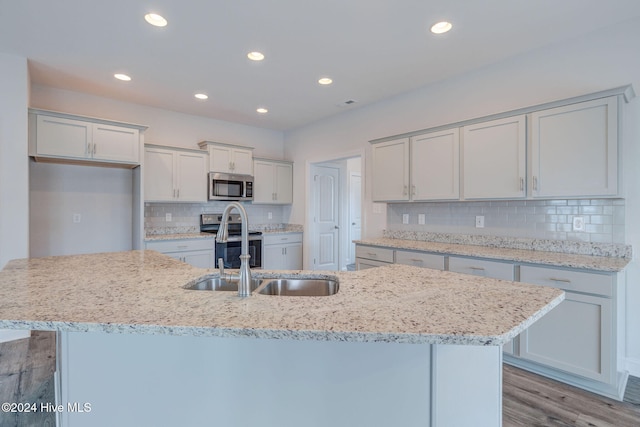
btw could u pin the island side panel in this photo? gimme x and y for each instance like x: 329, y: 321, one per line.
x: 133, y: 380
x: 467, y: 385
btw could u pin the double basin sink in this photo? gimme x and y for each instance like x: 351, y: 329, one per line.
x: 275, y: 286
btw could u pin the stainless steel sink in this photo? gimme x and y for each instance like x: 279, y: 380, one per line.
x: 299, y: 287
x: 220, y: 284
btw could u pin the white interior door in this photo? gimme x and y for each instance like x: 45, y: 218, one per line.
x: 355, y: 215
x: 325, y: 242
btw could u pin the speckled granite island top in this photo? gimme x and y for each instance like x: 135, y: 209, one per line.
x: 589, y: 262
x: 142, y: 292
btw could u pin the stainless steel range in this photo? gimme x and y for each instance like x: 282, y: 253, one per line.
x: 230, y: 251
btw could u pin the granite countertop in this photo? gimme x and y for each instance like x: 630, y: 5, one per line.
x: 590, y: 262
x: 265, y: 229
x: 142, y: 292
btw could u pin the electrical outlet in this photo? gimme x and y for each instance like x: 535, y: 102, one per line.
x: 77, y: 218
x: 578, y: 223
x: 422, y: 219
x: 167, y: 217
x: 270, y: 215
x: 480, y: 221
x: 405, y: 218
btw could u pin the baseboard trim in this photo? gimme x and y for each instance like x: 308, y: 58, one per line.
x: 13, y: 334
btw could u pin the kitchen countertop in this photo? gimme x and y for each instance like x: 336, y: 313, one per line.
x: 142, y: 292
x: 590, y: 262
x: 265, y: 229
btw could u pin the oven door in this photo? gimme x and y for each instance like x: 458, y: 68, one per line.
x: 231, y: 250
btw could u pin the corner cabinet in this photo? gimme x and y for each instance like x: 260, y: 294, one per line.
x: 174, y: 174
x: 226, y: 158
x: 574, y: 150
x: 494, y: 159
x: 74, y: 139
x: 282, y: 251
x: 272, y: 182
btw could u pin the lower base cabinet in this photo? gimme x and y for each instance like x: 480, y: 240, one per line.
x: 372, y: 257
x: 282, y: 251
x: 196, y: 252
x: 578, y: 336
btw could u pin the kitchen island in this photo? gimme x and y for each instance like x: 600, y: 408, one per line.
x: 397, y: 345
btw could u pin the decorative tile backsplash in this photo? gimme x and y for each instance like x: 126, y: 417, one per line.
x: 604, y: 219
x: 185, y: 217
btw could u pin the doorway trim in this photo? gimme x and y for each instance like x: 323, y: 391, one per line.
x: 309, y: 224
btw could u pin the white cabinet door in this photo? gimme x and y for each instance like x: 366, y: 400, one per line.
x: 284, y: 183
x: 575, y: 150
x: 242, y: 161
x: 159, y: 175
x: 61, y: 137
x: 578, y: 335
x: 282, y: 251
x: 197, y: 252
x: 273, y: 182
x: 263, y: 181
x: 391, y: 170
x: 494, y: 159
x: 116, y: 144
x: 227, y: 159
x: 174, y: 175
x: 435, y: 166
x: 191, y: 176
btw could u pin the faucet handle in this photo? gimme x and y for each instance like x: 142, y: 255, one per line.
x: 221, y: 266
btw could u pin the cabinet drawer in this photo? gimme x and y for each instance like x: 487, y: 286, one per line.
x: 281, y: 238
x: 420, y: 259
x: 374, y: 253
x: 484, y: 268
x: 165, y: 246
x: 578, y: 281
x: 363, y: 264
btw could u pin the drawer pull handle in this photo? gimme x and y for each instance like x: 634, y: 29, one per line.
x: 183, y: 246
x: 555, y: 279
x: 372, y: 254
x: 416, y: 260
x: 477, y: 268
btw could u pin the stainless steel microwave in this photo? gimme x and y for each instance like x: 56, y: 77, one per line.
x: 223, y: 186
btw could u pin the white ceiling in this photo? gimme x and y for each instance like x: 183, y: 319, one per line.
x: 373, y: 49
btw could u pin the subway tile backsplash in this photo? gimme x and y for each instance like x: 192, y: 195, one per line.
x: 604, y: 219
x: 185, y: 217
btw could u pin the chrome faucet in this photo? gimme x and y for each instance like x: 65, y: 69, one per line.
x: 244, y: 279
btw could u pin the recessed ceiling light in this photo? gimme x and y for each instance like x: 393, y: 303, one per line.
x: 122, y: 77
x: 255, y: 56
x: 201, y: 96
x: 155, y: 20
x: 262, y: 110
x: 441, y: 27
x: 325, y: 81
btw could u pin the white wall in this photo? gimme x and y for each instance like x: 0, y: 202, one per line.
x: 165, y: 127
x: 599, y: 61
x: 14, y: 170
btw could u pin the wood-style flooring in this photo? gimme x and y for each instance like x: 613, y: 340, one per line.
x: 529, y: 400
x: 26, y: 376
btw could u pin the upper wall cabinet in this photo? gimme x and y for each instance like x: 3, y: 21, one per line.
x: 435, y: 166
x: 62, y: 137
x: 391, y: 171
x: 272, y: 182
x: 494, y: 159
x: 574, y: 150
x: 227, y: 158
x: 174, y: 175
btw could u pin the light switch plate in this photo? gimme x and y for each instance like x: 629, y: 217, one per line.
x: 77, y: 218
x: 405, y: 218
x: 578, y: 223
x: 422, y: 219
x: 480, y: 221
x: 167, y: 217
